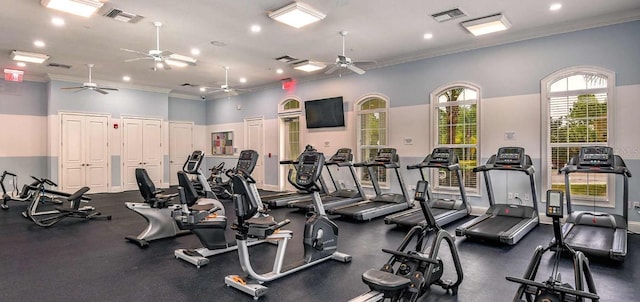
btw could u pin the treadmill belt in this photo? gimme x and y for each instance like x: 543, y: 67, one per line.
x: 496, y: 224
x: 264, y: 193
x: 417, y: 217
x: 591, y: 237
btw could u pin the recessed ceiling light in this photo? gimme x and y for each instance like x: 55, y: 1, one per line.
x: 195, y: 51
x: 126, y: 78
x: 279, y: 71
x: 555, y: 6
x: 427, y: 36
x: 38, y: 43
x: 203, y: 89
x: 21, y: 64
x: 243, y: 80
x: 57, y: 21
x: 256, y: 28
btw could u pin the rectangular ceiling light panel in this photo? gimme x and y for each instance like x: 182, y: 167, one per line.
x: 24, y: 56
x: 297, y: 14
x: 84, y: 8
x: 308, y: 66
x: 487, y: 25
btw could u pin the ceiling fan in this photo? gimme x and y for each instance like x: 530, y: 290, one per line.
x: 342, y: 61
x: 91, y: 86
x: 225, y: 87
x: 162, y: 58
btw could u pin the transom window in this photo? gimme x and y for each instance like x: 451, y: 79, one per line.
x: 456, y: 127
x: 577, y: 113
x: 372, y: 113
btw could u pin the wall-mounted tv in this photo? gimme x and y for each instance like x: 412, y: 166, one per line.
x: 324, y: 113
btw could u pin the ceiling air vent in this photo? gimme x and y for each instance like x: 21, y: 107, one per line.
x: 286, y: 59
x: 58, y: 65
x: 121, y: 16
x: 448, y: 15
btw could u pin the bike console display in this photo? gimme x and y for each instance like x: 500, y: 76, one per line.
x: 596, y: 156
x: 309, y: 169
x: 510, y: 156
x: 554, y: 203
x: 247, y: 161
x: 421, y: 190
x: 193, y: 162
x: 444, y: 156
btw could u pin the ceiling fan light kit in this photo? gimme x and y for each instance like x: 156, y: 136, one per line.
x: 30, y: 57
x: 84, y: 8
x: 297, y: 14
x: 487, y: 25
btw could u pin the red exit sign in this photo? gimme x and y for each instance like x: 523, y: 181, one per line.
x: 13, y: 75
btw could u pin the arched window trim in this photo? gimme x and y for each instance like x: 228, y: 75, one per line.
x: 285, y: 101
x: 545, y: 85
x: 434, y: 128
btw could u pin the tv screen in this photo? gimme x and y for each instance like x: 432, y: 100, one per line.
x: 324, y: 113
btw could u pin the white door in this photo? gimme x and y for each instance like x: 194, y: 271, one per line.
x: 152, y: 150
x: 180, y: 146
x: 96, y: 153
x: 131, y: 152
x: 255, y: 139
x: 72, y: 153
x: 85, y: 153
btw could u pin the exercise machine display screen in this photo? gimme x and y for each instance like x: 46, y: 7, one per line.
x: 596, y: 156
x: 386, y: 155
x: 309, y: 169
x: 441, y: 156
x: 193, y: 162
x: 554, y: 203
x: 342, y: 155
x: 421, y: 190
x: 247, y: 160
x: 510, y: 156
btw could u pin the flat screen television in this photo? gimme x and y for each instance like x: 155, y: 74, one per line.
x: 324, y: 113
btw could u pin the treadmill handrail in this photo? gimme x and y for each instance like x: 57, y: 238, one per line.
x: 451, y: 167
x: 529, y: 170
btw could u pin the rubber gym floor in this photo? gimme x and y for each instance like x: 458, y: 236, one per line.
x: 91, y: 261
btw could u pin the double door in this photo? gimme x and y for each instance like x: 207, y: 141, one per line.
x: 142, y: 148
x: 84, y: 152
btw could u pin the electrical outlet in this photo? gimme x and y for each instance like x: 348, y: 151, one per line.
x: 527, y: 196
x: 510, y: 195
x: 636, y: 204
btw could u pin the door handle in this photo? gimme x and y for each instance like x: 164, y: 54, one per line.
x: 140, y: 163
x: 82, y: 165
x: 88, y: 165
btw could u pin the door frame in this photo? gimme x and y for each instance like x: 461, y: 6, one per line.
x: 261, y: 151
x: 284, y: 170
x: 60, y: 151
x: 169, y: 141
x: 122, y: 161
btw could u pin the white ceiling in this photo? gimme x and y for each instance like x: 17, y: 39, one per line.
x: 388, y: 32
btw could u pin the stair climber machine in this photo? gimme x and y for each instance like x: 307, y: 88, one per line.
x: 320, y: 233
x: 504, y: 222
x: 283, y: 200
x: 341, y: 196
x: 246, y: 162
x: 41, y: 213
x: 409, y: 274
x: 211, y: 231
x: 383, y: 203
x: 159, y: 211
x: 445, y: 211
x: 553, y: 290
x: 192, y: 167
x: 596, y: 233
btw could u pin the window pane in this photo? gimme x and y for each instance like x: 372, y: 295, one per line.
x: 467, y: 157
x: 374, y: 103
x: 291, y: 104
x: 583, y: 185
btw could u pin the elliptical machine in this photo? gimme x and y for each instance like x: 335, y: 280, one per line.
x: 320, y: 233
x: 553, y: 290
x: 246, y: 163
x: 408, y: 275
x: 192, y: 167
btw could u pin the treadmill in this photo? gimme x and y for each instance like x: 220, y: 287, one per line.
x: 283, y: 200
x: 381, y: 204
x: 339, y: 197
x: 596, y: 233
x: 505, y: 223
x: 444, y: 211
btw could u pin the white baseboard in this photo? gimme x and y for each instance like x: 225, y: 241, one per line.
x: 634, y: 226
x: 164, y: 185
x: 270, y: 187
x: 116, y: 189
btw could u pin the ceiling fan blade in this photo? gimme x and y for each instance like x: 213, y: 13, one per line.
x: 135, y: 51
x: 355, y: 69
x: 360, y: 63
x: 332, y: 69
x: 136, y: 59
x: 166, y: 53
x: 79, y: 87
x: 233, y: 93
x: 108, y: 88
x: 100, y: 91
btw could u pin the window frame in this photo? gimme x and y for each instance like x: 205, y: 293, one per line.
x: 359, y: 154
x: 435, y: 135
x: 284, y: 114
x: 545, y: 162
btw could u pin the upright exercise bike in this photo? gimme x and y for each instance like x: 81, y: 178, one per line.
x: 409, y: 274
x: 320, y: 233
x: 553, y: 290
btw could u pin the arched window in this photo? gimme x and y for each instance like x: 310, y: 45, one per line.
x: 289, y: 113
x: 577, y: 109
x: 289, y: 105
x: 372, y: 131
x: 456, y: 125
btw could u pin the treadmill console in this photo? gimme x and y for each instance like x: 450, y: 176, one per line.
x: 510, y: 156
x: 309, y: 168
x: 247, y: 161
x: 193, y: 162
x: 421, y: 190
x: 554, y: 203
x: 386, y: 155
x: 596, y: 156
x: 342, y: 155
x: 442, y: 156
